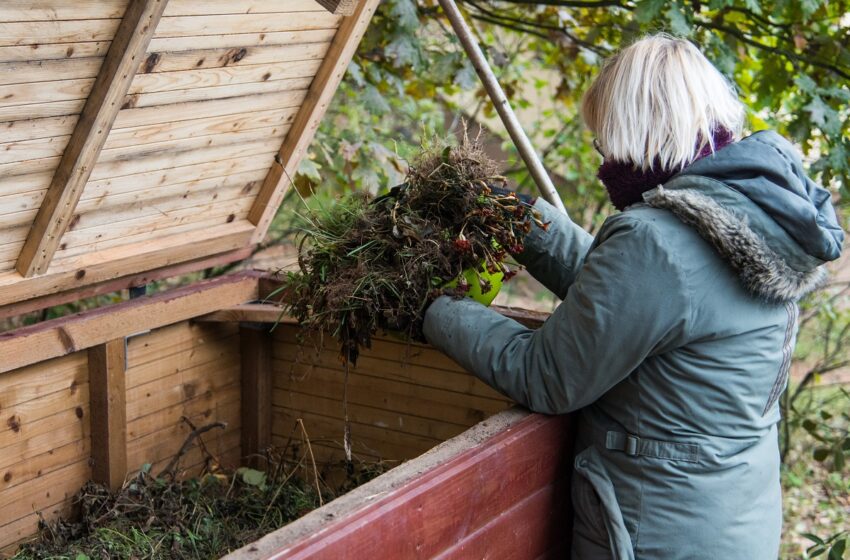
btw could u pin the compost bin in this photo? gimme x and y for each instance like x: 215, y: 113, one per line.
x: 145, y: 139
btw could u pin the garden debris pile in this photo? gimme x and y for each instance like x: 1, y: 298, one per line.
x: 368, y: 265
x: 158, y: 517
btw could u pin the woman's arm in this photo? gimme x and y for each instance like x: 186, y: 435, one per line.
x: 628, y: 302
x: 555, y: 256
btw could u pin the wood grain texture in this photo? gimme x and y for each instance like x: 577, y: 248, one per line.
x: 247, y: 312
x: 133, y: 280
x: 310, y: 114
x: 102, y: 106
x: 82, y: 331
x: 127, y: 260
x: 256, y: 390
x: 506, y: 496
x: 108, y: 394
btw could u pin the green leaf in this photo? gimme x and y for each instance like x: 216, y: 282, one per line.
x: 83, y: 556
x: 837, y: 550
x: 252, y: 477
x: 809, y: 425
x: 404, y: 14
x: 679, y: 23
x: 814, y: 538
x: 820, y: 454
x: 310, y: 169
x: 647, y: 10
x: 373, y: 101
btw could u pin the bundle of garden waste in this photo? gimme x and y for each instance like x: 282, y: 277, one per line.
x: 161, y: 517
x: 369, y: 264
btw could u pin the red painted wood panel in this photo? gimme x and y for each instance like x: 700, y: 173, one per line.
x: 506, y: 498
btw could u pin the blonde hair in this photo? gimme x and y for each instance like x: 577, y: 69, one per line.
x: 658, y: 101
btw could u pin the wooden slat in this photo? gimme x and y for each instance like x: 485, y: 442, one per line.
x: 340, y: 7
x: 126, y: 281
x: 234, y: 93
x: 160, y: 132
x: 101, y: 108
x: 49, y: 495
x: 206, y: 109
x: 53, y: 10
x: 182, y: 26
x: 304, y: 127
x: 256, y: 389
x: 30, y: 467
x: 247, y: 312
x: 231, y: 56
x: 454, y: 495
x: 157, y: 417
x: 107, y: 386
x: 55, y: 51
x: 31, y: 129
x: 47, y: 32
x: 47, y: 434
x: 240, y: 40
x: 32, y: 383
x: 47, y: 71
x: 63, y: 336
x: 229, y: 75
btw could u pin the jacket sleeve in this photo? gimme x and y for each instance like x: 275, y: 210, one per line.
x: 555, y: 256
x: 628, y: 302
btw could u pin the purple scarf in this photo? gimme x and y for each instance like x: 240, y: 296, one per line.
x: 626, y: 185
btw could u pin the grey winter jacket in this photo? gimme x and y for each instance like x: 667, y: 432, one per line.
x: 674, y: 337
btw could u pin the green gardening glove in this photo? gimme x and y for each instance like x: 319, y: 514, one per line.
x: 472, y: 278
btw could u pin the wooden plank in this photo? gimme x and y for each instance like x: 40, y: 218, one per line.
x: 247, y: 312
x: 366, y: 438
x: 182, y: 26
x: 163, y: 444
x: 47, y: 71
x: 173, y: 175
x: 182, y: 386
x: 56, y: 51
x: 202, y: 406
x: 41, y: 110
x: 339, y: 7
x: 228, y: 75
x: 46, y: 435
x: 209, y: 218
x: 449, y: 496
x: 68, y: 334
x: 29, y: 149
x: 256, y: 392
x: 159, y: 132
x: 62, y: 376
x: 41, y: 92
x: 188, y: 344
x: 23, y: 500
x: 16, y: 131
x: 51, y: 10
x: 22, y: 415
x: 29, y: 467
x: 102, y: 106
x: 132, y: 280
x: 210, y: 7
x: 211, y: 108
x: 46, y: 32
x: 241, y: 40
x: 304, y: 127
x: 388, y: 394
x: 108, y: 393
x: 231, y: 56
x: 293, y: 86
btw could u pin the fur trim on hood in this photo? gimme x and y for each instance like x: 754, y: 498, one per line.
x: 762, y: 271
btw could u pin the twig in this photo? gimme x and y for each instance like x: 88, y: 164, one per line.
x: 195, y: 434
x: 313, y: 460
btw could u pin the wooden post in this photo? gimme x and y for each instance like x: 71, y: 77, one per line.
x: 256, y: 349
x: 107, y: 95
x: 107, y: 392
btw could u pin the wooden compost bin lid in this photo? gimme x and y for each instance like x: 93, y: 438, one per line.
x: 154, y: 135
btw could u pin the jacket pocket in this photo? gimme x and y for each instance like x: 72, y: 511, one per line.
x: 594, y: 493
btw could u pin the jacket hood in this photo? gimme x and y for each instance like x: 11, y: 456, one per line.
x: 754, y: 203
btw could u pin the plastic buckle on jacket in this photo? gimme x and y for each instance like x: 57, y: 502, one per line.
x: 632, y: 443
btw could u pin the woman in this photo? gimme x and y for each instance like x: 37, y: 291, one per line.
x: 678, y: 320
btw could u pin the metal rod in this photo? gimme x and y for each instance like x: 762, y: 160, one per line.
x: 500, y: 101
